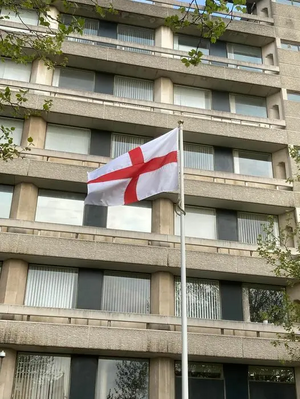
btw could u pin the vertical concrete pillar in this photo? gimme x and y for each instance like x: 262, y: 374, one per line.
x: 297, y: 380
x: 287, y: 223
x: 281, y: 164
x: 162, y: 294
x: 162, y: 379
x: 41, y: 74
x: 53, y: 17
x: 163, y: 216
x: 13, y: 281
x: 24, y: 201
x: 7, y: 373
x: 163, y: 91
x: 164, y: 37
x: 35, y: 127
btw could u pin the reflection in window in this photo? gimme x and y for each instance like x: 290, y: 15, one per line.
x: 293, y: 96
x: 42, y: 376
x: 251, y: 225
x: 203, y: 299
x: 12, y: 71
x: 68, y: 139
x: 248, y: 105
x: 201, y: 370
x: 16, y: 134
x: 252, y: 163
x: 266, y: 304
x: 271, y: 374
x: 121, y: 378
x: 53, y: 287
x: 135, y: 217
x: 60, y: 207
x: 122, y: 143
x: 188, y: 43
x: 192, y: 97
x: 6, y: 193
x: 199, y: 222
x: 126, y: 292
x: 197, y: 156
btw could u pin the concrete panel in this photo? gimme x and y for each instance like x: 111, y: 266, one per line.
x: 24, y: 200
x: 13, y: 281
x: 7, y: 373
x: 162, y: 216
x: 162, y: 378
x: 34, y: 127
x: 162, y: 294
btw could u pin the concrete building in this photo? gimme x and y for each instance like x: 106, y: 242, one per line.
x: 90, y: 298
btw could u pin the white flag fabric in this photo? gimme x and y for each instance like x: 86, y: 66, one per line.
x: 140, y: 173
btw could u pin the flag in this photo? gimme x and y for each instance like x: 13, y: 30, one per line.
x: 142, y: 172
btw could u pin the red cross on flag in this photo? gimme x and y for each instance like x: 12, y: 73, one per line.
x: 140, y: 173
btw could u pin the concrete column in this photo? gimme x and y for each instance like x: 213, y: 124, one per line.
x: 281, y: 164
x: 164, y: 37
x: 162, y: 294
x: 24, y: 201
x: 163, y: 91
x: 53, y: 14
x: 162, y: 379
x: 275, y: 106
x: 287, y: 223
x: 13, y: 281
x: 297, y: 380
x: 7, y: 373
x: 34, y: 127
x: 163, y: 216
x: 40, y: 73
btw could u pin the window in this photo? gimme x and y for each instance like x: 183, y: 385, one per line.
x: 135, y: 34
x: 16, y: 134
x: 126, y: 292
x: 203, y: 299
x: 293, y: 96
x: 192, y: 97
x: 137, y: 89
x: 42, y: 376
x: 6, y: 193
x: 59, y: 207
x: 53, y: 287
x: 199, y: 222
x: 122, y: 143
x: 201, y: 370
x: 248, y: 105
x: 197, y: 156
x: 188, y: 43
x: 266, y: 303
x: 251, y: 225
x: 12, y: 71
x: 122, y: 378
x: 68, y: 139
x: 290, y: 46
x: 135, y: 217
x: 240, y: 52
x: 271, y: 374
x: 252, y: 163
x: 74, y: 79
x: 289, y: 2
x: 26, y: 17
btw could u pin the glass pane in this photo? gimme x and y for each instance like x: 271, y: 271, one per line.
x: 251, y: 225
x: 137, y: 89
x: 119, y: 378
x: 266, y: 304
x: 60, y: 207
x: 289, y: 46
x: 198, y: 156
x: 53, y: 287
x: 271, y: 374
x: 12, y: 71
x: 6, y: 193
x: 241, y: 52
x: 188, y: 43
x: 135, y: 34
x: 122, y: 143
x: 203, y: 299
x: 68, y: 138
x: 42, y: 377
x: 254, y: 164
x: 201, y: 370
x: 191, y: 97
x: 126, y: 293
x: 250, y: 105
x: 293, y: 96
x: 28, y: 17
x: 77, y: 79
x: 199, y: 223
x: 17, y: 133
x: 136, y: 217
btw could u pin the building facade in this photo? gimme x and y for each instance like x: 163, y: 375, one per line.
x: 90, y: 297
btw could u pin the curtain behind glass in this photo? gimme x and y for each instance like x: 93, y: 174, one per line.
x: 122, y: 143
x: 203, y: 298
x: 53, y: 287
x: 199, y: 222
x: 198, y: 156
x: 13, y: 71
x: 126, y: 293
x: 68, y: 138
x: 137, y: 89
x: 6, y: 193
x: 135, y: 34
x: 191, y: 97
x: 251, y: 225
x: 42, y: 377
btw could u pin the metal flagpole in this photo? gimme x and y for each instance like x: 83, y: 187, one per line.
x: 184, y: 338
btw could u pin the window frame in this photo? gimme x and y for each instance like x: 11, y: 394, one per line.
x: 56, y: 79
x: 236, y: 163
x: 232, y: 103
x: 213, y: 213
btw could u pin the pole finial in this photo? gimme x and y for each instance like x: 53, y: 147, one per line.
x: 180, y: 122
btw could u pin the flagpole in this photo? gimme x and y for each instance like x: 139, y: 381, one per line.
x: 184, y: 338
